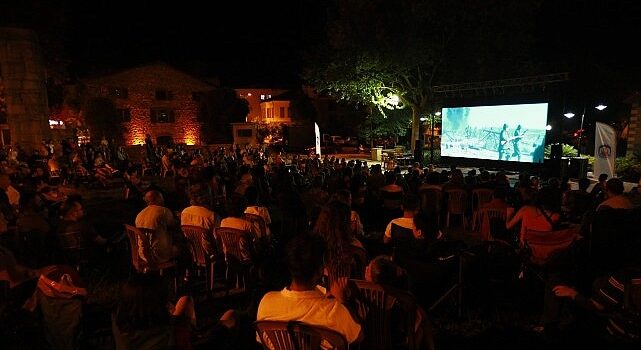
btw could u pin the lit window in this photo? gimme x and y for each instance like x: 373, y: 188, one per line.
x: 269, y: 96
x: 262, y: 97
x: 249, y: 94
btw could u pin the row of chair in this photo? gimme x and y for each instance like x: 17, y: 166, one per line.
x: 204, y: 246
x: 456, y: 200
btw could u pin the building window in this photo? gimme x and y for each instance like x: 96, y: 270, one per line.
x: 262, y: 97
x: 163, y: 95
x: 161, y: 115
x: 124, y: 115
x: 282, y: 112
x: 118, y: 92
x: 195, y: 96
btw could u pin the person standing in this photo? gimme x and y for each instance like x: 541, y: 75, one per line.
x: 516, y: 140
x: 504, y: 138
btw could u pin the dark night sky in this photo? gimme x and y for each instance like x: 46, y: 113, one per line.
x: 258, y: 43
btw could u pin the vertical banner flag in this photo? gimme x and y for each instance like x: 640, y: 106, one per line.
x: 318, y: 139
x: 605, y: 150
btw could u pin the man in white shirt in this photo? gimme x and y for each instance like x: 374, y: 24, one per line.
x: 199, y: 214
x: 303, y: 300
x: 160, y: 219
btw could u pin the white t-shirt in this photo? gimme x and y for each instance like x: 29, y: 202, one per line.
x: 263, y: 213
x: 155, y: 217
x: 403, y: 222
x: 311, y: 307
x: 198, y: 216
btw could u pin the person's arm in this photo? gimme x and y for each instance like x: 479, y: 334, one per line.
x: 387, y: 237
x: 569, y: 292
x: 512, y: 222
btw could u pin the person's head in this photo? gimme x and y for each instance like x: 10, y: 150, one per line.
x: 457, y: 176
x: 200, y: 194
x: 382, y: 270
x: 305, y: 258
x: 528, y: 196
x: 603, y: 178
x: 333, y: 224
x: 411, y: 203
x: 142, y: 303
x: 154, y: 197
x: 584, y: 183
x: 614, y: 187
x: 71, y: 210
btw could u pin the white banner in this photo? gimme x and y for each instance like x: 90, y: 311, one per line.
x: 318, y: 139
x: 605, y: 150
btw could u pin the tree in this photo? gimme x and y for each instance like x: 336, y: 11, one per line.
x: 390, y: 54
x: 377, y: 126
x: 219, y: 108
x: 101, y: 117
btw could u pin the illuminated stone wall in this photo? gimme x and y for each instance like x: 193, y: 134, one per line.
x: 140, y: 99
x: 634, y: 126
x: 22, y: 75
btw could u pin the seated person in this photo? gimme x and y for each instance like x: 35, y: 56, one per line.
x: 614, y: 197
x: 410, y: 207
x: 155, y: 216
x: 535, y: 214
x: 303, y: 300
x: 382, y: 270
x: 235, y: 209
x: 251, y: 196
x: 144, y: 318
x: 578, y: 202
x: 75, y: 235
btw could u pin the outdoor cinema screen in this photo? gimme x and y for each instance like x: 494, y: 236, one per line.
x: 504, y: 132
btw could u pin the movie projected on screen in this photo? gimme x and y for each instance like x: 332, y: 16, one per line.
x: 513, y: 133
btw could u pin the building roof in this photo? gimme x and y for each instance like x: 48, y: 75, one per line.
x: 152, y: 65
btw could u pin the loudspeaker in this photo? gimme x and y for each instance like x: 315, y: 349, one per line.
x: 418, y: 151
x: 556, y: 151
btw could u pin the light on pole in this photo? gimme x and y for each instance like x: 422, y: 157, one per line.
x: 600, y: 107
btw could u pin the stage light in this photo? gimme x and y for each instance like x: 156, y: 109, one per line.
x: 548, y: 127
x: 569, y: 115
x: 601, y: 107
x: 438, y: 114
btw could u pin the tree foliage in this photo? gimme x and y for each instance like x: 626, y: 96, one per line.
x: 390, y: 54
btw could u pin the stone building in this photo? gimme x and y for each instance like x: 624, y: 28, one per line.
x: 23, y: 95
x: 634, y: 126
x: 154, y: 99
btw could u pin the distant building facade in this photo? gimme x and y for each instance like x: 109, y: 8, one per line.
x: 258, y: 112
x: 154, y: 99
x: 23, y: 94
x: 634, y: 125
